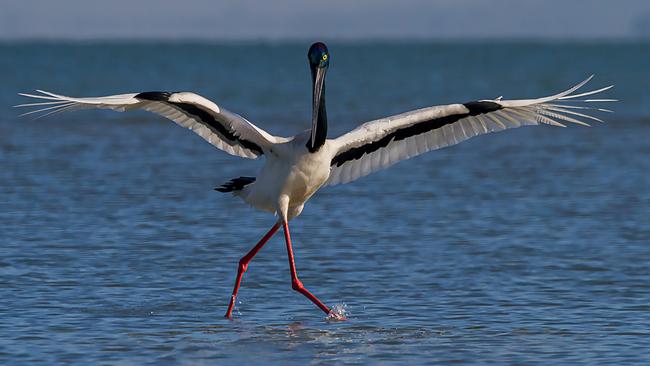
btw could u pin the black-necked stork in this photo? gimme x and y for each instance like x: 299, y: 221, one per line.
x: 297, y: 166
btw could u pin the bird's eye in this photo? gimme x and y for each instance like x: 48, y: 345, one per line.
x: 325, y: 57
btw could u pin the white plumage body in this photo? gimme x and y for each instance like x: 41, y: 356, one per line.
x: 289, y: 177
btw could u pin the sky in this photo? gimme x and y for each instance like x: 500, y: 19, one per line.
x: 324, y: 19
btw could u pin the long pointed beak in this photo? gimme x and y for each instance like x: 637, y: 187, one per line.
x: 318, y: 91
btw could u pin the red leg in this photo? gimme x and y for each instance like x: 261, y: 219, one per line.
x: 243, y: 265
x: 295, y: 282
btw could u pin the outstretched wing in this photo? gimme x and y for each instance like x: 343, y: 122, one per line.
x: 381, y: 143
x: 218, y: 126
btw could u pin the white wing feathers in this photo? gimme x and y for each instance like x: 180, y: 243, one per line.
x: 221, y: 128
x: 381, y: 143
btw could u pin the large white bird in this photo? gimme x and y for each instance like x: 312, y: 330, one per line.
x: 296, y: 167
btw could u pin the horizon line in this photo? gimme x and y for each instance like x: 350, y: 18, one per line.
x: 341, y: 40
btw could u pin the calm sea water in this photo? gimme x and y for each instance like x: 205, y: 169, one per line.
x: 526, y: 247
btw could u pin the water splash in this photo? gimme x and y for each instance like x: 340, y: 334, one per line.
x: 236, y: 309
x: 338, y: 312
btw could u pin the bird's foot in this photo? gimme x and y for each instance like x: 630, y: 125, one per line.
x: 338, y: 312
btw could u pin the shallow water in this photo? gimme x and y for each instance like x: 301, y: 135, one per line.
x: 524, y: 247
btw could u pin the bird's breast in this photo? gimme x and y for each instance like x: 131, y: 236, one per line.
x: 307, y: 174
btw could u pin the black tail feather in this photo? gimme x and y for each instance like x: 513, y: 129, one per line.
x: 236, y: 184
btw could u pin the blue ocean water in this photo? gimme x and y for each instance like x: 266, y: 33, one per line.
x: 530, y: 246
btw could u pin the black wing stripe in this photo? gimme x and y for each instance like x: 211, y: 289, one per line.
x: 355, y: 153
x: 203, y: 116
x: 156, y: 96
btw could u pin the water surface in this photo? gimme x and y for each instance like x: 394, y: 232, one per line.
x: 524, y: 247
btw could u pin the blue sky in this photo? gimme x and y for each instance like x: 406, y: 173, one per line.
x: 326, y: 19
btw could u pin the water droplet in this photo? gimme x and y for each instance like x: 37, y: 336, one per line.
x: 338, y: 312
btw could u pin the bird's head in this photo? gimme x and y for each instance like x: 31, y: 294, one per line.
x: 318, y: 56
